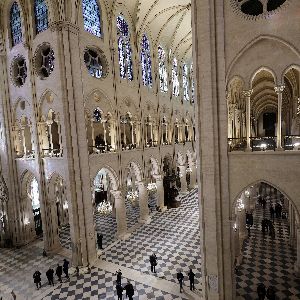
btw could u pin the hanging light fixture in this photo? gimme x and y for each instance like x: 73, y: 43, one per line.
x: 104, y: 208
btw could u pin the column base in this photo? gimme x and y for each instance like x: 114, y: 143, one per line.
x: 279, y: 149
x: 145, y: 220
x: 123, y: 236
x: 163, y: 208
x: 248, y: 149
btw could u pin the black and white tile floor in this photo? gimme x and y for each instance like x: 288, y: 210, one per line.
x: 268, y: 261
x: 174, y: 236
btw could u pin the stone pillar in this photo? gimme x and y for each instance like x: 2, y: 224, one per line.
x: 183, y: 179
x: 143, y: 202
x: 193, y: 176
x: 247, y: 94
x: 279, y: 89
x: 120, y: 214
x: 160, y: 192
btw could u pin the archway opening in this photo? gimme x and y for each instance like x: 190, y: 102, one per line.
x: 34, y: 196
x: 104, y: 209
x: 264, y: 233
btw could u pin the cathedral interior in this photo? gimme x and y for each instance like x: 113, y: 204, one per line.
x: 132, y: 127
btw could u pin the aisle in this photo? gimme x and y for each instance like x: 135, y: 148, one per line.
x: 268, y: 261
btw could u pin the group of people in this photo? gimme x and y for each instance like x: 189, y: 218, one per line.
x: 262, y: 292
x: 128, y: 287
x: 276, y: 211
x: 268, y: 226
x: 50, y: 274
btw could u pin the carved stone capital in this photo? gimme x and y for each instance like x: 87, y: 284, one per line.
x: 279, y: 89
x: 247, y: 93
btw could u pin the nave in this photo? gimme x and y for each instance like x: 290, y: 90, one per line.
x: 172, y: 235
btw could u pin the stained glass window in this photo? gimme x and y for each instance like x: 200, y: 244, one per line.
x: 162, y: 70
x: 192, y: 84
x: 125, y: 53
x: 41, y: 15
x: 185, y: 83
x: 146, y: 61
x: 15, y: 24
x: 91, y: 17
x: 175, y: 80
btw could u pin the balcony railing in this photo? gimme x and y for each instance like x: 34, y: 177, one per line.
x: 291, y: 142
x: 237, y: 144
x: 263, y: 143
x: 52, y: 152
x: 101, y: 149
x: 150, y: 144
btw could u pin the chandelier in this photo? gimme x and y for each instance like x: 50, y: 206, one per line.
x: 151, y: 187
x: 104, y: 208
x: 240, y: 205
x: 132, y: 197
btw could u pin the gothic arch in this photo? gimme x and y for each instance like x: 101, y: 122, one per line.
x: 112, y: 176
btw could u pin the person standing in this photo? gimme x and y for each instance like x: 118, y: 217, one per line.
x: 59, y: 272
x: 129, y: 290
x: 13, y: 294
x: 119, y: 277
x: 37, y: 279
x: 261, y: 291
x: 119, y: 289
x: 272, y: 212
x: 49, y: 275
x: 99, y: 240
x: 66, y: 268
x: 153, y: 262
x: 180, y: 280
x: 191, y: 275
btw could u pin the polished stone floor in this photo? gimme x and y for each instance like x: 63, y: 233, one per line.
x: 268, y: 261
x: 173, y: 236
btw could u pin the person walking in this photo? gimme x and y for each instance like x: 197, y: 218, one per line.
x: 66, y: 268
x: 191, y: 275
x: 58, y: 272
x: 129, y: 290
x: 180, y: 280
x: 37, y: 279
x: 119, y: 276
x: 50, y: 275
x: 153, y: 262
x: 119, y: 289
x: 261, y: 291
x: 99, y: 240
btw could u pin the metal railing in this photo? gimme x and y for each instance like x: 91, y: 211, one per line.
x: 263, y: 143
x: 52, y: 152
x: 101, y: 149
x: 237, y: 144
x: 291, y: 142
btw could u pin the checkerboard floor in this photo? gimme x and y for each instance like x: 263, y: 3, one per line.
x: 268, y: 261
x: 100, y: 284
x: 172, y: 235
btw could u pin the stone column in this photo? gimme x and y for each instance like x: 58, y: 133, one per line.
x: 193, y: 176
x: 120, y: 214
x: 160, y: 192
x: 279, y: 89
x: 247, y: 94
x: 183, y: 178
x: 241, y: 221
x: 143, y: 202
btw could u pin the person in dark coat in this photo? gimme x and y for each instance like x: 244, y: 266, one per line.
x: 119, y: 289
x: 66, y: 268
x: 50, y: 275
x: 129, y: 290
x: 37, y: 279
x: 272, y: 212
x: 180, y: 280
x: 119, y: 277
x: 99, y: 240
x: 271, y: 293
x: 261, y: 291
x: 191, y: 275
x: 58, y: 272
x: 153, y: 262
